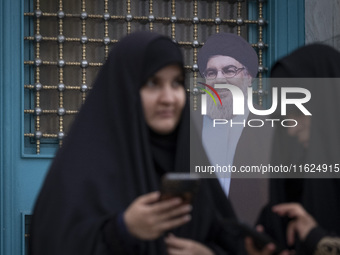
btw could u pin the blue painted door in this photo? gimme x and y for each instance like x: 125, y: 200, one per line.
x: 21, y: 176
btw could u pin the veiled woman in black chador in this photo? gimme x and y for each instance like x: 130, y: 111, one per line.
x: 100, y: 195
x: 316, y: 140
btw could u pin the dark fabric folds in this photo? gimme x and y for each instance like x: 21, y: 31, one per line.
x: 108, y: 160
x: 320, y: 197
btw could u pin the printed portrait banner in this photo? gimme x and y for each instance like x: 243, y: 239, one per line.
x: 295, y: 134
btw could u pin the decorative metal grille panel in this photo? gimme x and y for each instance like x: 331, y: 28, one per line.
x: 67, y: 41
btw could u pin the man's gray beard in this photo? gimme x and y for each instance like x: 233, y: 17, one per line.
x: 224, y: 111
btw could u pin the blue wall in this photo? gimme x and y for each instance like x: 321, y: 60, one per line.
x: 286, y: 30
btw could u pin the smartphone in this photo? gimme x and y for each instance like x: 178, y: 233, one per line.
x: 260, y: 239
x: 183, y: 185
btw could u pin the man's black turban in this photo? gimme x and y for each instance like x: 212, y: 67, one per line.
x: 232, y: 45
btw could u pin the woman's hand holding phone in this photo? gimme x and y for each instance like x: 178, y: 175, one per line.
x: 177, y: 245
x: 148, y: 217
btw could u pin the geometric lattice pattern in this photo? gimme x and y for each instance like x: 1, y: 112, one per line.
x: 67, y: 41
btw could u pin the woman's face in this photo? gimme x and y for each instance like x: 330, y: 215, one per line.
x: 163, y: 99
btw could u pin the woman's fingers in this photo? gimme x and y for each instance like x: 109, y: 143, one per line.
x: 147, y: 217
x: 171, y: 214
x: 149, y: 198
x: 174, y: 251
x: 259, y: 228
x: 174, y: 223
x: 251, y: 250
x: 175, y: 212
x: 290, y: 209
x: 183, y: 246
x: 166, y: 205
x: 291, y: 229
x: 175, y: 246
x: 302, y: 222
x: 176, y: 242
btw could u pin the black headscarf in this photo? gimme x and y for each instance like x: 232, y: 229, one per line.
x: 110, y: 157
x: 320, y: 197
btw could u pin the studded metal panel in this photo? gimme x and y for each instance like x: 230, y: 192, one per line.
x: 67, y: 41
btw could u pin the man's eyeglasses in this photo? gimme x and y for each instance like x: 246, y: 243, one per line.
x: 227, y: 71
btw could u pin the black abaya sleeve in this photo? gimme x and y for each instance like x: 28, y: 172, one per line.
x: 112, y: 237
x: 117, y: 237
x: 320, y: 242
x: 224, y: 238
x: 313, y: 238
